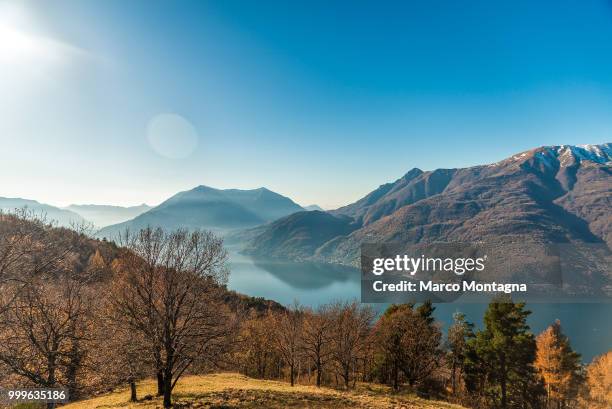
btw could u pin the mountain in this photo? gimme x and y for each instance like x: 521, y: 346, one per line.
x: 554, y: 194
x: 298, y: 235
x: 105, y: 215
x: 61, y: 217
x: 220, y: 210
x: 314, y: 207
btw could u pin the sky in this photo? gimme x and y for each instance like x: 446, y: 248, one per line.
x: 116, y: 102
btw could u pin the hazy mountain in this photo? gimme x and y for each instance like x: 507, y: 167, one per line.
x: 105, y: 215
x: 61, y: 217
x: 298, y: 235
x: 554, y: 194
x: 314, y: 207
x: 220, y: 210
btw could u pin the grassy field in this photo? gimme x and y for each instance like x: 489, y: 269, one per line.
x: 233, y: 391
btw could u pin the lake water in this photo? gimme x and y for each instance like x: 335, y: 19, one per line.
x: 588, y: 325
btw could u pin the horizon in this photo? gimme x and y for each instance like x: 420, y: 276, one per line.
x: 152, y: 205
x: 124, y: 106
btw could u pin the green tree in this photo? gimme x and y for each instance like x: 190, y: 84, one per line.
x: 426, y: 311
x: 500, y: 359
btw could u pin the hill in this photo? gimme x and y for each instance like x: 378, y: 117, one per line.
x: 233, y: 391
x: 298, y: 235
x: 555, y: 194
x: 220, y: 210
x: 105, y: 215
x: 61, y: 217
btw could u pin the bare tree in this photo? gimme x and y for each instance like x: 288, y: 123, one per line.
x: 257, y: 352
x: 317, y: 337
x: 352, y: 323
x: 40, y: 330
x: 29, y: 247
x: 168, y: 289
x: 288, y: 337
x: 123, y: 356
x: 43, y: 308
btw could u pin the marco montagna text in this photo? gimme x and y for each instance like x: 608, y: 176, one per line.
x: 465, y: 286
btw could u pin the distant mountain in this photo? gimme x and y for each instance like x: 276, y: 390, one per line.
x: 105, y: 215
x: 61, y: 217
x: 558, y: 194
x: 314, y: 207
x: 220, y: 210
x: 298, y: 235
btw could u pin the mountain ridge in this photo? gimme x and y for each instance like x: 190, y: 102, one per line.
x: 548, y: 194
x: 63, y: 217
x: 105, y: 215
x: 220, y: 210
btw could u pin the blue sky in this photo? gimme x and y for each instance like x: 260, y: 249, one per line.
x: 128, y: 102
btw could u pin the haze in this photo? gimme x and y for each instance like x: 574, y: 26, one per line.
x: 128, y: 102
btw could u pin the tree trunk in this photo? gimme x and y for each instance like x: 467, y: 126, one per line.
x: 453, y: 378
x: 167, y: 390
x: 503, y: 391
x: 299, y: 370
x: 346, y: 377
x: 318, y: 373
x: 133, y: 397
x: 395, y: 377
x: 291, y: 376
x: 51, y: 376
x: 73, y: 366
x: 160, y: 382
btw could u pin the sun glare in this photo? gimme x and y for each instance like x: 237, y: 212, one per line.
x: 18, y: 47
x: 22, y: 45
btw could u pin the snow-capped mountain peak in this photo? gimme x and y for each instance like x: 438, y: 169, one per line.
x: 564, y: 155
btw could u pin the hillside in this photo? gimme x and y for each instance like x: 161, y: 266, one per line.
x: 558, y: 194
x: 60, y: 217
x: 298, y: 235
x: 220, y: 210
x: 233, y: 391
x: 105, y: 215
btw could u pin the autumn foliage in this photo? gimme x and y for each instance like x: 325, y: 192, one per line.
x: 92, y: 316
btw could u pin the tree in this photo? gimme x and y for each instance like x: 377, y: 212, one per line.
x: 168, y: 290
x: 409, y: 342
x: 44, y: 331
x: 499, y: 360
x: 559, y: 365
x: 96, y: 264
x: 288, y: 337
x: 257, y: 347
x: 459, y: 333
x: 123, y: 356
x: 30, y: 247
x: 317, y: 338
x: 352, y: 323
x: 599, y: 381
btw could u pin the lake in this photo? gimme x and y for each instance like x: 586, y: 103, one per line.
x: 587, y: 325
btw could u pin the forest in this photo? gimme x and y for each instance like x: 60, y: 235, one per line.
x: 92, y: 316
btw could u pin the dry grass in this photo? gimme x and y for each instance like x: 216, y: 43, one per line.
x: 234, y: 391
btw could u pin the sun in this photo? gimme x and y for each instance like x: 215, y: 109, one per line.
x: 22, y: 46
x: 17, y: 47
